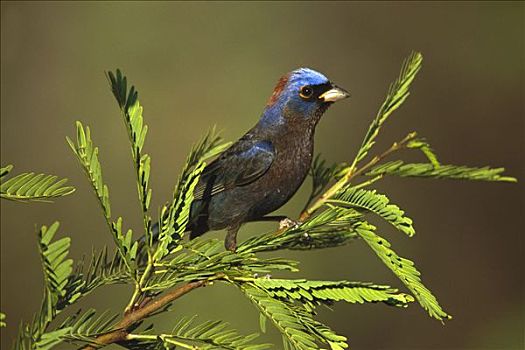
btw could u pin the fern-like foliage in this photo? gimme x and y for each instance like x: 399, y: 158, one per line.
x: 57, y: 270
x: 50, y: 340
x: 32, y: 187
x: 295, y: 322
x: 119, y: 87
x: 444, y: 171
x: 290, y: 305
x: 295, y: 333
x: 366, y: 200
x: 137, y: 131
x: 161, y: 265
x: 403, y: 268
x: 422, y: 145
x: 84, y: 327
x: 313, y: 293
x: 87, y: 155
x: 175, y: 216
x: 397, y: 94
x: 206, y: 258
x: 104, y: 268
x: 191, y: 335
x: 80, y: 328
x: 329, y: 228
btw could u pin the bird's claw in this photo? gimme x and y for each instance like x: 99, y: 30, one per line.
x: 288, y: 223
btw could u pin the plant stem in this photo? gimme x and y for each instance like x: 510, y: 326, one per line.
x: 121, y: 329
x: 368, y: 182
x: 140, y: 284
x: 164, y: 338
x: 178, y: 343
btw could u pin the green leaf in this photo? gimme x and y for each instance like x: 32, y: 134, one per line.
x: 87, y: 155
x: 215, y: 333
x: 133, y: 119
x: 403, y: 268
x: 283, y: 317
x: 57, y: 270
x: 85, y: 327
x: 424, y: 147
x: 187, y: 334
x: 262, y: 322
x: 295, y: 322
x: 444, y: 171
x: 174, y: 217
x: 200, y: 259
x: 370, y: 200
x: 177, y: 215
x: 312, y: 293
x: 104, y: 269
x: 5, y: 170
x: 126, y: 245
x: 32, y: 187
x: 397, y: 94
x: 118, y: 84
x: 323, y: 333
x: 51, y: 339
x: 329, y: 228
x: 2, y: 320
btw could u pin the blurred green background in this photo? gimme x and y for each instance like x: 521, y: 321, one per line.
x: 199, y: 64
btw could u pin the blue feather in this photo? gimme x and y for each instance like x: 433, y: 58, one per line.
x: 289, y: 98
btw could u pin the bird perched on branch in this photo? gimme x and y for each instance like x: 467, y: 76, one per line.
x: 262, y: 170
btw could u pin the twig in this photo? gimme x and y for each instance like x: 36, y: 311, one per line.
x: 396, y: 146
x: 139, y: 285
x: 121, y: 329
x: 164, y: 337
x: 368, y: 182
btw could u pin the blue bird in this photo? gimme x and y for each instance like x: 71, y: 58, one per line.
x: 262, y: 170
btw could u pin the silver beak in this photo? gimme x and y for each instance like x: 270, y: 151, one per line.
x: 334, y: 94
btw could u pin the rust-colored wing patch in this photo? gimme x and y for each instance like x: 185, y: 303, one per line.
x: 278, y: 89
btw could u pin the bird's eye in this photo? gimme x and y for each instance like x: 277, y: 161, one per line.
x: 306, y: 92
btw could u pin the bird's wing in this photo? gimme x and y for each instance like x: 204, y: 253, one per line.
x: 240, y: 165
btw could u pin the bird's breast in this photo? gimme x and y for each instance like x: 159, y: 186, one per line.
x: 286, y: 174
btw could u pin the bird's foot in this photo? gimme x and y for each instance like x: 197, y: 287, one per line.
x: 231, y: 246
x: 230, y: 243
x: 287, y: 223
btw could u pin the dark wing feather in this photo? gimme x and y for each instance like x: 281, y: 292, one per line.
x: 240, y: 165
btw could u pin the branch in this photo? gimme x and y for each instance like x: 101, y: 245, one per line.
x: 121, y: 329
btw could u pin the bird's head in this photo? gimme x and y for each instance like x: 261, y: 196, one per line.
x: 302, y: 95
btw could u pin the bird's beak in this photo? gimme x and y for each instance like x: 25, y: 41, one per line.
x: 334, y: 94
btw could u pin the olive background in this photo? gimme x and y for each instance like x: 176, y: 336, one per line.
x: 202, y: 64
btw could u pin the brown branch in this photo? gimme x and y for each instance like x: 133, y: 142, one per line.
x: 121, y: 329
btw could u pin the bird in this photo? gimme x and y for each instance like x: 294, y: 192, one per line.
x: 260, y: 172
